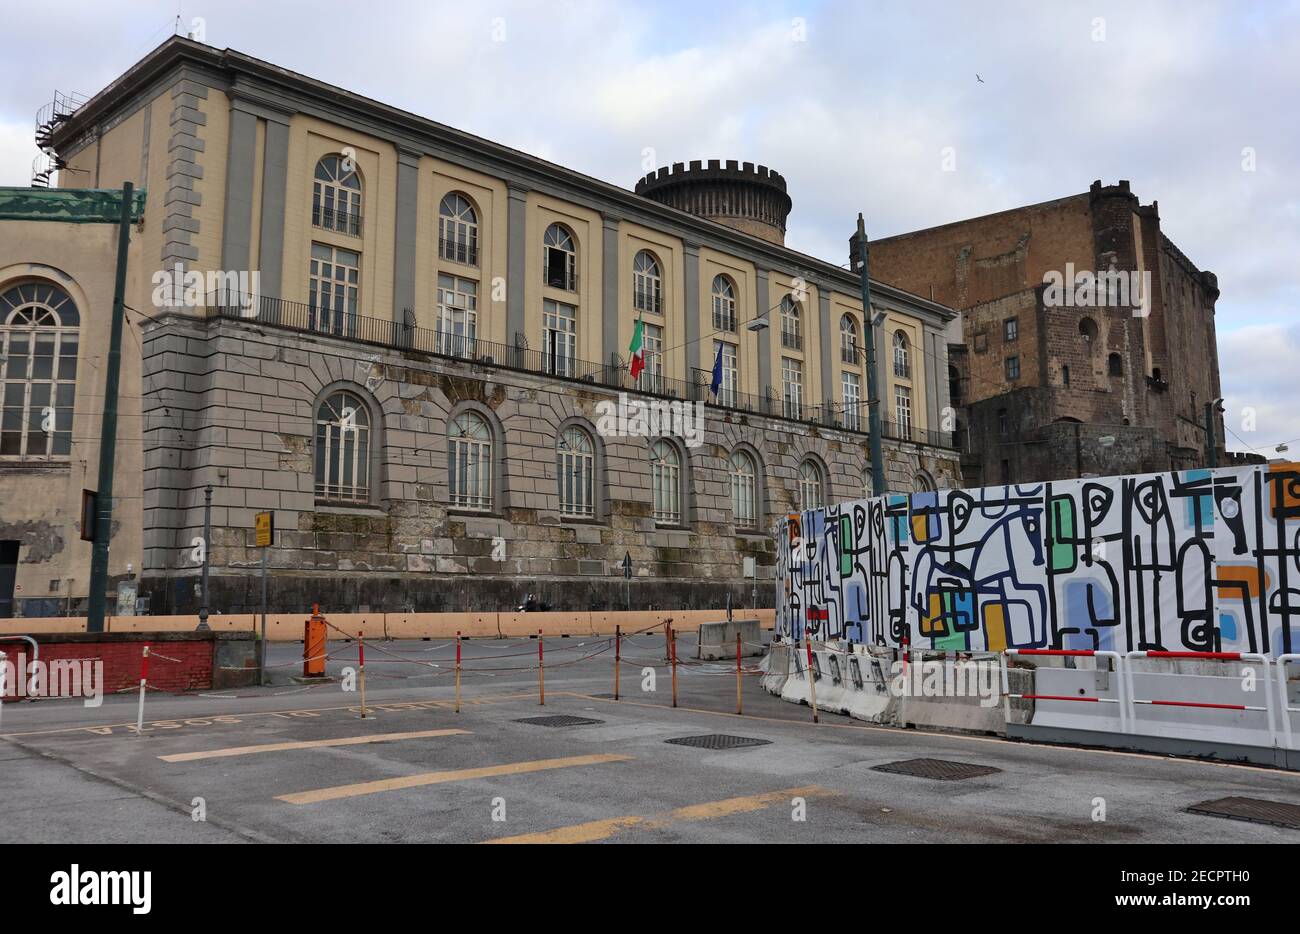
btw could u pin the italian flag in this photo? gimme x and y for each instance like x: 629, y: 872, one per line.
x: 638, y: 350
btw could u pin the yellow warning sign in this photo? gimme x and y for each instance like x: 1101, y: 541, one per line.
x: 265, y: 525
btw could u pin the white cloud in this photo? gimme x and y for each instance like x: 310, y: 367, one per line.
x: 1259, y: 364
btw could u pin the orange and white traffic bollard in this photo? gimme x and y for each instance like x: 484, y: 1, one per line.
x: 541, y: 671
x: 618, y: 656
x: 812, y: 679
x: 457, y: 671
x: 144, y: 678
x: 672, y: 643
x: 739, y: 709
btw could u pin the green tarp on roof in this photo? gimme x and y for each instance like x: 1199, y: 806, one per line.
x: 67, y: 205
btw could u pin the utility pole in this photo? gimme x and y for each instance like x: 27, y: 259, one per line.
x: 108, y: 426
x: 207, y: 554
x: 860, y: 254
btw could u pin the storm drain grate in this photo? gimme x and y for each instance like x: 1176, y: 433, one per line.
x: 1256, y: 810
x: 718, y: 741
x: 942, y: 770
x: 559, y: 720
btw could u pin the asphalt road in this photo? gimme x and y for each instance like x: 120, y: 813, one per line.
x: 417, y: 771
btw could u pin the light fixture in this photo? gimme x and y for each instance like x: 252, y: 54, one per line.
x: 757, y: 324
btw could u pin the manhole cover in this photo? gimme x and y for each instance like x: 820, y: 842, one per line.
x: 559, y: 720
x: 718, y: 741
x: 1252, y: 809
x: 940, y: 769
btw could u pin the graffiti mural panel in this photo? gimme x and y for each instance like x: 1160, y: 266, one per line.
x: 1200, y: 560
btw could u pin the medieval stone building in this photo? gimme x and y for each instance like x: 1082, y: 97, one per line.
x: 1087, y: 342
x: 427, y: 380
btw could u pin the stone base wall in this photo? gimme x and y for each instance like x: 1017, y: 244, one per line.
x: 233, y: 406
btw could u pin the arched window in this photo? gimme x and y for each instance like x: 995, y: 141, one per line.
x: 866, y: 482
x: 849, y: 340
x: 559, y: 259
x: 791, y: 328
x: 343, y: 449
x: 647, y: 284
x: 724, y: 304
x: 469, y: 462
x: 38, y: 370
x: 744, y: 489
x: 922, y: 483
x: 1115, y: 364
x: 666, y: 482
x: 902, y: 356
x: 336, y: 196
x: 575, y: 458
x: 458, y: 230
x: 810, y: 485
x: 1088, y: 330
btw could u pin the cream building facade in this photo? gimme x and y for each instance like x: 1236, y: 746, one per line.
x: 416, y: 390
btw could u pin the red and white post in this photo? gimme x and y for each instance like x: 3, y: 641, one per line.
x: 144, y: 678
x: 812, y: 679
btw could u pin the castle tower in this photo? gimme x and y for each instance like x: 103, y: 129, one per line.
x: 749, y: 198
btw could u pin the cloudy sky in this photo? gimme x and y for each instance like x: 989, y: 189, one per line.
x: 854, y: 102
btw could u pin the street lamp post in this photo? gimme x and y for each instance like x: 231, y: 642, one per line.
x: 860, y: 256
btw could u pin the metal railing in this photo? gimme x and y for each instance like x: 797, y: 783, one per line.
x: 307, y: 318
x: 344, y: 222
x: 458, y: 251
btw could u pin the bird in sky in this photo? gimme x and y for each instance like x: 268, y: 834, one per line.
x: 978, y: 78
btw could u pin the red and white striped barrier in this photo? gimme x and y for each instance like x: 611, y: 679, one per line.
x: 1284, y: 696
x: 1083, y: 698
x: 1249, y: 657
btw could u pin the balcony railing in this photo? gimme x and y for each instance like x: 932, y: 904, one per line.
x: 459, y: 251
x: 344, y: 222
x: 303, y: 317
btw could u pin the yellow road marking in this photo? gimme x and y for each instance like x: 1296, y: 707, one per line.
x: 710, y: 810
x: 437, y: 778
x: 233, y: 718
x: 306, y: 744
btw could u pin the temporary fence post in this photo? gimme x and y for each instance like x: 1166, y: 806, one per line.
x: 812, y: 680
x: 541, y: 671
x: 361, y: 643
x: 457, y: 671
x: 144, y: 677
x: 739, y: 709
x: 672, y: 649
x: 618, y: 656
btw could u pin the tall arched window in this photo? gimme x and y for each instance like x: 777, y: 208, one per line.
x: 469, y: 462
x: 849, y: 340
x: 458, y: 230
x: 647, y: 284
x: 343, y: 449
x: 724, y: 304
x: 576, y: 471
x: 666, y: 482
x: 791, y: 328
x: 1115, y: 365
x: 744, y: 489
x: 1088, y: 330
x: 38, y: 370
x: 922, y: 482
x: 559, y: 259
x: 336, y: 196
x: 902, y: 356
x: 810, y: 485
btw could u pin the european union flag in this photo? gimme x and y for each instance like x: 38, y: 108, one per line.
x: 717, y: 372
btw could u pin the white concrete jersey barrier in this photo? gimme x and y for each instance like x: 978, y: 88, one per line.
x: 1198, y: 701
